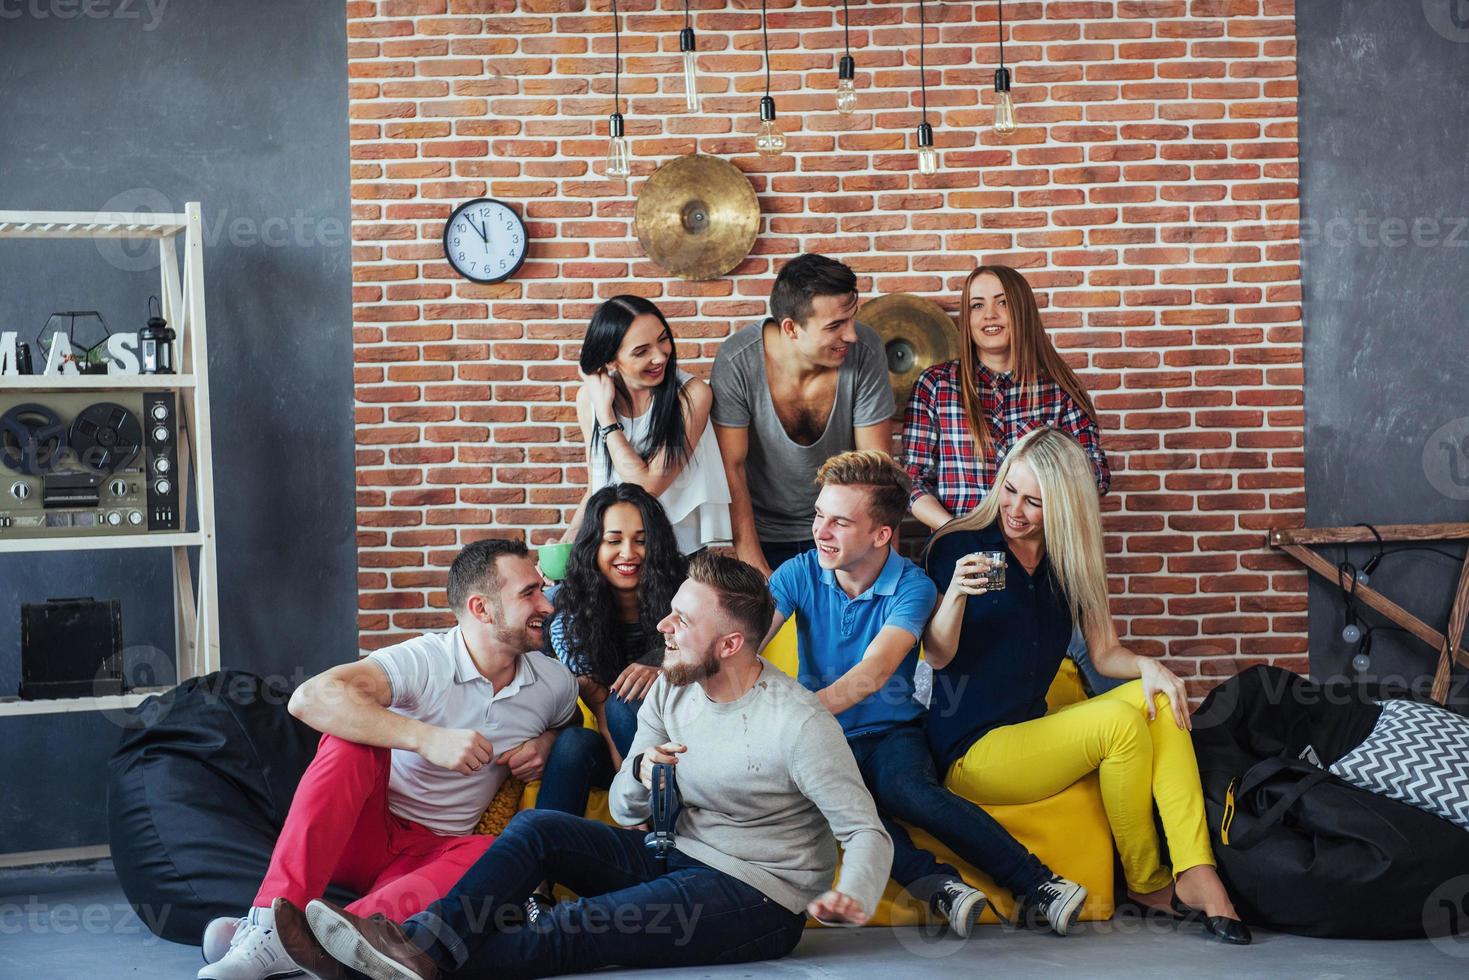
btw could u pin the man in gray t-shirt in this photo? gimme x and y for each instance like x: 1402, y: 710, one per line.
x: 790, y: 392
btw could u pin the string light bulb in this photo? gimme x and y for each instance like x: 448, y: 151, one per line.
x: 1004, y: 104
x: 690, y: 70
x: 846, y: 72
x: 928, y: 158
x: 618, y: 158
x: 769, y: 141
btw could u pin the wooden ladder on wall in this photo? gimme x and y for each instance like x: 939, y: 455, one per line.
x: 1297, y: 544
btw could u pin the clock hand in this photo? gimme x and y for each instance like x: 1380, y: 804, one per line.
x: 479, y: 230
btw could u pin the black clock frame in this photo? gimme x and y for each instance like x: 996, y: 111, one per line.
x: 476, y: 202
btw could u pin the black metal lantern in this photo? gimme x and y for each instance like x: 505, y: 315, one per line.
x: 156, y: 340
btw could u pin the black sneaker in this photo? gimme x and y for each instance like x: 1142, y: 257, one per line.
x: 536, y: 906
x: 960, y: 904
x: 1058, y: 902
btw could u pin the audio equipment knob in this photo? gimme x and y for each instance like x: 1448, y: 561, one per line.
x: 160, y: 412
x: 160, y: 434
x: 19, y: 490
x: 119, y: 488
x: 163, y: 487
x: 114, y: 518
x: 135, y: 517
x: 162, y: 465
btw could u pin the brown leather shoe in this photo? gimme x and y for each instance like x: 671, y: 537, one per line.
x: 300, y: 945
x: 376, y: 946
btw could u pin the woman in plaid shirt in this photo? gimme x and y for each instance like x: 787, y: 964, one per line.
x: 964, y: 415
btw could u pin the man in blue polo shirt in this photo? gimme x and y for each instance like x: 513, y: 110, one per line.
x: 862, y: 610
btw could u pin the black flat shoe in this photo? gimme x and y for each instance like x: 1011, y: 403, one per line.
x: 1148, y: 913
x: 1230, y: 931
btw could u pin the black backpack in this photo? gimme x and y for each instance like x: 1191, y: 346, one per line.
x: 1302, y: 851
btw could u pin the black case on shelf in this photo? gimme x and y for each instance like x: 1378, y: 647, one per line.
x: 70, y: 648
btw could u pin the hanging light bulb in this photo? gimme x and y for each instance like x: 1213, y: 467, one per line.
x: 846, y: 86
x: 1362, y: 663
x: 846, y: 72
x: 618, y: 160
x: 690, y: 70
x: 769, y: 141
x: 928, y: 158
x: 1004, y: 106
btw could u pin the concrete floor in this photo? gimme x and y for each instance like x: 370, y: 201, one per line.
x: 73, y: 922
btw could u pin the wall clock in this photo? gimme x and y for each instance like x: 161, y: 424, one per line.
x: 485, y: 240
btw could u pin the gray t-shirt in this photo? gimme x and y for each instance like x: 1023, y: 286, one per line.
x: 779, y: 471
x: 766, y: 782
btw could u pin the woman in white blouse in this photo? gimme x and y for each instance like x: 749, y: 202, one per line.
x: 647, y: 422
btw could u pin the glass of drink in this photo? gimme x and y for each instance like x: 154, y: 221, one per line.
x: 994, y: 570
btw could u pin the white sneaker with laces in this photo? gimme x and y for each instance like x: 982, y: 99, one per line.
x: 217, y: 936
x: 960, y: 904
x: 255, y: 953
x: 1058, y: 901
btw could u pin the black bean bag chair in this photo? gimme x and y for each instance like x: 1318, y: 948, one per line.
x: 197, y: 793
x: 1302, y: 851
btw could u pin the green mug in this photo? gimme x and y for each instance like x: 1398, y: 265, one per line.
x: 552, y: 558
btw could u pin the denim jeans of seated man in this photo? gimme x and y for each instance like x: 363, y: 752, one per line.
x: 898, y: 769
x: 778, y: 553
x: 579, y: 759
x: 630, y: 913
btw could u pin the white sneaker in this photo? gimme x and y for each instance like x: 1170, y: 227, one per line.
x: 960, y: 904
x: 1057, y: 901
x: 255, y: 953
x: 217, y: 936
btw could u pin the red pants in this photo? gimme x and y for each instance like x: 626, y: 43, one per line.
x: 340, y: 831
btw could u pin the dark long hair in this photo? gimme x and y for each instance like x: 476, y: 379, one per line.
x: 585, y: 601
x: 599, y: 348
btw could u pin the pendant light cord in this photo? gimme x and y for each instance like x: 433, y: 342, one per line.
x: 846, y: 30
x: 616, y: 58
x: 765, y: 41
x: 922, y: 58
x: 686, y: 23
x: 1000, y: 6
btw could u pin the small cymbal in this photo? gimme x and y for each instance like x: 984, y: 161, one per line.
x: 915, y: 332
x: 697, y: 217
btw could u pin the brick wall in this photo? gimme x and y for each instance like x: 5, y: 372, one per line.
x: 1150, y: 196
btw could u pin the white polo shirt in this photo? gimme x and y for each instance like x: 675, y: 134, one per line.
x: 435, y: 681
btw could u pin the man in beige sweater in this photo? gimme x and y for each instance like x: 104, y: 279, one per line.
x: 766, y: 779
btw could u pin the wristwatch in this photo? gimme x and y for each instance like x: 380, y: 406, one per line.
x: 606, y: 430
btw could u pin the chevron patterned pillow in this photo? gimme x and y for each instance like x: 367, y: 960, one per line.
x: 1417, y: 754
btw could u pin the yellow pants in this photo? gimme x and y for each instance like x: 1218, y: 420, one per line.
x: 1136, y: 761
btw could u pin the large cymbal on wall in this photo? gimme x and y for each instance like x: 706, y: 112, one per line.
x: 915, y: 332
x: 697, y: 217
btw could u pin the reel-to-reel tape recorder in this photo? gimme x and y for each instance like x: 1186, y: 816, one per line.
x: 77, y: 464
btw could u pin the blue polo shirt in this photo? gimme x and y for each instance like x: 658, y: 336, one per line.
x: 834, y: 631
x: 1011, y: 644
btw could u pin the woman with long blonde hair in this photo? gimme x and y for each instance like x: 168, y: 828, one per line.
x: 995, y: 650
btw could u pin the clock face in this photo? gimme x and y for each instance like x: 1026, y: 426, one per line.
x: 484, y: 240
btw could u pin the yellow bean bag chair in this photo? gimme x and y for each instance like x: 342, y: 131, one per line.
x: 1068, y: 831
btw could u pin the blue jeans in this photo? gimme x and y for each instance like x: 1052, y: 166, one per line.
x: 778, y: 552
x: 579, y: 759
x: 898, y: 769
x: 1077, y: 651
x: 629, y: 915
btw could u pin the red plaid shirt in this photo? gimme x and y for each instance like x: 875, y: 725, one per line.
x: 939, y: 452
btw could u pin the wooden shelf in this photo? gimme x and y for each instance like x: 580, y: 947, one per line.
x: 13, y: 708
x: 87, y: 224
x: 96, y: 382
x: 101, y: 542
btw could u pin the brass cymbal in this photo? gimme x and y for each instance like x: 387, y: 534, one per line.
x: 915, y: 332
x: 697, y: 216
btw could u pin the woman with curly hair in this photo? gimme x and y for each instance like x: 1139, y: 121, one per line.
x: 621, y: 576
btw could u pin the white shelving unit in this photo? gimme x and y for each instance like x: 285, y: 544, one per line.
x: 196, y: 623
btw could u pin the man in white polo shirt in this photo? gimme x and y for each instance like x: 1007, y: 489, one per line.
x: 417, y: 739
